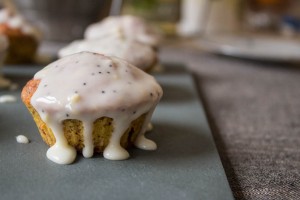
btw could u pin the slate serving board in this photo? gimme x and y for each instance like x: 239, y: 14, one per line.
x: 186, y: 164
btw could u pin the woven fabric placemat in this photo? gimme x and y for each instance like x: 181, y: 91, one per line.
x: 254, y: 111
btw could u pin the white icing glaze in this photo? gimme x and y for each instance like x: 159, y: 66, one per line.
x: 22, y: 139
x: 131, y: 27
x: 7, y: 98
x: 87, y: 86
x: 140, y: 55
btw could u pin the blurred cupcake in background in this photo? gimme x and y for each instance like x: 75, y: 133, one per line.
x: 138, y: 54
x: 132, y: 27
x: 127, y: 37
x: 3, y: 47
x: 23, y: 38
x: 4, y: 83
x: 62, y: 21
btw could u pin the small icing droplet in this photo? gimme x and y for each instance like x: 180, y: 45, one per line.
x: 22, y: 139
x: 7, y: 99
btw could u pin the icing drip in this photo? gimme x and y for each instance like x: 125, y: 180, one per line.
x: 61, y: 152
x: 149, y: 127
x: 142, y: 142
x: 88, y: 149
x: 94, y: 86
x: 114, y: 151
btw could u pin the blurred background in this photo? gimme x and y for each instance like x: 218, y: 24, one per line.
x: 66, y: 20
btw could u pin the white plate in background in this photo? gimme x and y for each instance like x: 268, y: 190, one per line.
x: 263, y: 48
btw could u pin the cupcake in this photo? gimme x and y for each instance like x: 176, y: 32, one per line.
x: 138, y: 54
x: 4, y: 83
x: 133, y: 28
x: 92, y: 103
x: 23, y: 38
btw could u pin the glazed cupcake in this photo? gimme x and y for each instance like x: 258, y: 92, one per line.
x: 23, y: 38
x: 92, y: 103
x: 133, y: 28
x: 138, y: 54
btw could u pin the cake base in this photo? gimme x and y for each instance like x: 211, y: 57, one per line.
x: 73, y: 128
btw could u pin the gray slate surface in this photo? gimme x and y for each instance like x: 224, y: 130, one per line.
x: 185, y: 166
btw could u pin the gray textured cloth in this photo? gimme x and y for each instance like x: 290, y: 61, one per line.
x: 254, y: 111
